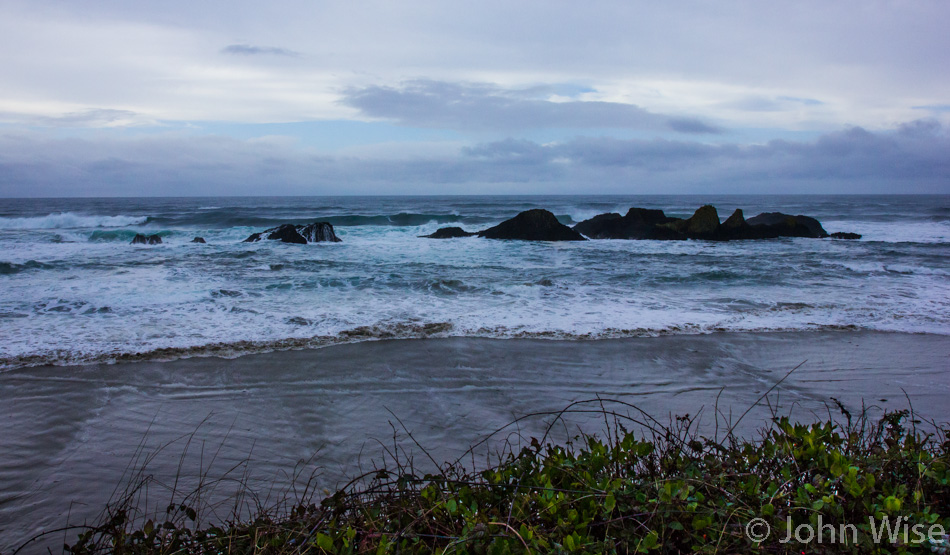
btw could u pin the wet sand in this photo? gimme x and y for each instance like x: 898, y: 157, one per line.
x: 71, y: 433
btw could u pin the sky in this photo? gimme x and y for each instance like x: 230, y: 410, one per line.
x: 118, y: 98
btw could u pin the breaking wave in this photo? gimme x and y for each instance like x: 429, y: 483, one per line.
x: 67, y: 220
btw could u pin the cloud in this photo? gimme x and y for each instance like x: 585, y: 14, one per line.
x: 249, y: 50
x: 185, y: 61
x: 771, y: 104
x: 913, y: 153
x: 484, y: 107
x: 802, y: 101
x: 934, y: 107
x: 99, y: 117
x: 910, y: 158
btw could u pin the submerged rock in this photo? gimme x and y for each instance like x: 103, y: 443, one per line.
x: 449, y: 233
x: 199, y: 240
x: 532, y: 225
x: 140, y: 239
x: 845, y: 235
x: 316, y: 232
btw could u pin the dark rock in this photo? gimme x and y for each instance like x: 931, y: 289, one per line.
x: 602, y: 226
x: 532, y: 225
x: 448, y: 233
x: 287, y: 233
x: 199, y: 240
x: 297, y: 234
x: 735, y: 227
x: 319, y: 232
x: 140, y: 239
x: 735, y: 221
x: 777, y: 224
x: 646, y: 216
x: 845, y: 235
x: 638, y: 223
x: 703, y: 224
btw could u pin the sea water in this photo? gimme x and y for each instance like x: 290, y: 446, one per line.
x: 74, y: 290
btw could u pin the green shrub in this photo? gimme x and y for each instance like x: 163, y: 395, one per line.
x: 665, y: 491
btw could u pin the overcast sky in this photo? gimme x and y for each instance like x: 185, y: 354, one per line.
x: 418, y: 97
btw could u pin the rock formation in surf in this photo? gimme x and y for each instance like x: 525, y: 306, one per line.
x: 449, y: 233
x: 845, y: 235
x: 316, y: 232
x: 199, y: 240
x: 532, y: 225
x: 642, y: 223
x: 785, y: 225
x: 140, y: 239
x: 638, y: 223
x: 703, y: 224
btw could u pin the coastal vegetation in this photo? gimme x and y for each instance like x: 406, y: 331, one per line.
x: 642, y: 487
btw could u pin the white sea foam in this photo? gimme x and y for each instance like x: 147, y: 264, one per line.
x: 70, y: 220
x: 101, y: 299
x: 895, y: 231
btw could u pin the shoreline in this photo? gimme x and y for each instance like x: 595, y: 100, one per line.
x: 398, y: 332
x: 75, y: 430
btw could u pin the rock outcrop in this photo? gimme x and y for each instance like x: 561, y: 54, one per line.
x: 777, y: 224
x: 736, y: 221
x: 845, y: 235
x: 140, y: 239
x: 532, y: 225
x: 199, y: 240
x: 299, y: 234
x: 703, y: 224
x: 641, y: 223
x: 319, y: 232
x: 638, y: 223
x: 449, y: 233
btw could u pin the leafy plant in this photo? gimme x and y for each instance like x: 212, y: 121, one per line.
x: 663, y: 489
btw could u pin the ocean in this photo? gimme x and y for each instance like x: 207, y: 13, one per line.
x: 264, y: 366
x: 73, y: 290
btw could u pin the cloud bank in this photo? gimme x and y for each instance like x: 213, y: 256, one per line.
x: 483, y: 106
x: 729, y: 64
x: 909, y: 159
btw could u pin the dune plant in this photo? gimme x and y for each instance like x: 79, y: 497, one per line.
x: 640, y: 488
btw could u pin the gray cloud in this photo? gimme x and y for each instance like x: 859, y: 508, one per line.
x: 660, y: 54
x: 934, y: 107
x: 249, y: 50
x: 482, y: 106
x: 911, y: 158
x: 914, y: 153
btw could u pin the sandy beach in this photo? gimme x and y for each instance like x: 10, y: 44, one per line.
x: 72, y: 433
